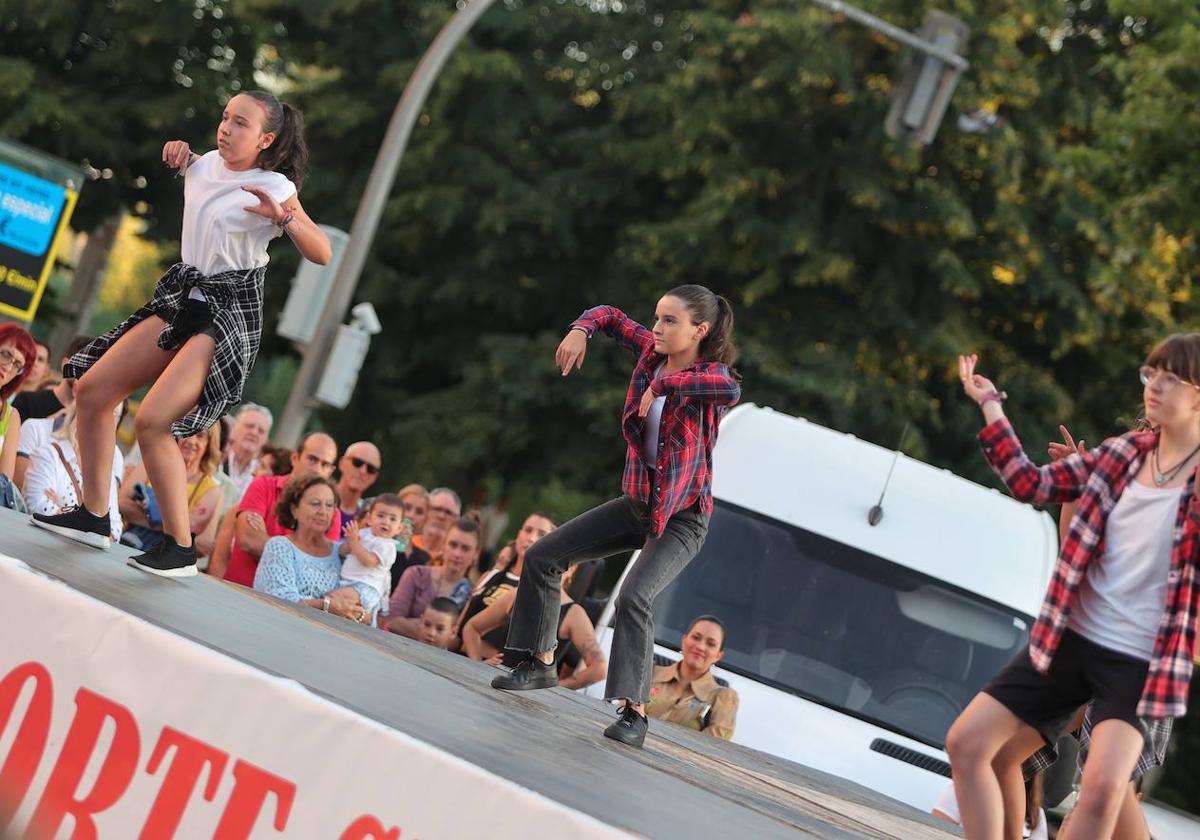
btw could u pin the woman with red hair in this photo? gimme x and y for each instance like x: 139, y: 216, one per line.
x: 17, y: 353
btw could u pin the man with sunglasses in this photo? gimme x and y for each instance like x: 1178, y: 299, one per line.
x: 257, y: 521
x: 358, y: 469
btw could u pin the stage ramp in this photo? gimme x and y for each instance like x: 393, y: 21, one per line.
x: 133, y: 706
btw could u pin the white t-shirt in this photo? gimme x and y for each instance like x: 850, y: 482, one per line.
x: 219, y: 234
x: 48, y: 480
x: 377, y: 577
x: 1123, y: 595
x: 34, y: 435
x: 651, y: 429
x: 947, y: 804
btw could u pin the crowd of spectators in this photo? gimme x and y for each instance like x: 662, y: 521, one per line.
x: 307, y: 526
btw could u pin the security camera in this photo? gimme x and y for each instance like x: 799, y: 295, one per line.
x: 363, y: 316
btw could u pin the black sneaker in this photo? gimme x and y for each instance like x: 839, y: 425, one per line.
x: 79, y: 524
x: 630, y: 728
x: 529, y: 674
x: 167, y: 560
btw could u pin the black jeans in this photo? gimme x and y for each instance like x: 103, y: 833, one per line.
x: 615, y: 526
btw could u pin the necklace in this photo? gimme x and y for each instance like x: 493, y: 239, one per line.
x: 1161, y: 477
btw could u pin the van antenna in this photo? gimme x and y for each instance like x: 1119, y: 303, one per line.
x: 875, y: 514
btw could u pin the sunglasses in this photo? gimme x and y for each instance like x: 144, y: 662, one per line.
x: 360, y: 464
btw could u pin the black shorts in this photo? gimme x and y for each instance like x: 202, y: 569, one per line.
x: 195, y: 317
x: 1081, y: 671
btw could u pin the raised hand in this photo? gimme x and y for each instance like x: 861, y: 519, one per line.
x: 570, y: 353
x: 974, y: 386
x: 1067, y: 447
x: 351, y: 534
x: 176, y: 154
x: 267, y: 207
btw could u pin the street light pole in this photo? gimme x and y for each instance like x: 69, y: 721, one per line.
x: 366, y: 218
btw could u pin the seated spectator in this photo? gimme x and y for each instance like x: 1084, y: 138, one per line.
x: 505, y: 577
x: 437, y: 622
x: 54, y: 480
x: 415, y: 499
x: 256, y: 520
x: 16, y: 353
x: 687, y: 693
x: 251, y: 429
x: 358, y: 469
x: 139, y: 508
x: 369, y: 551
x: 421, y: 584
x: 217, y: 544
x: 304, y: 566
x: 39, y: 368
x: 483, y: 638
x: 40, y: 411
x: 444, y: 508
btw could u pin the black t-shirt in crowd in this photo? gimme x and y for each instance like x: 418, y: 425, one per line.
x: 419, y: 557
x: 36, y: 405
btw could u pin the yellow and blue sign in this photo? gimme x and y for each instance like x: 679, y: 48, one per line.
x: 33, y: 212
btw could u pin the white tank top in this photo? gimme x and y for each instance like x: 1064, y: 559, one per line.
x: 650, y: 431
x: 218, y: 233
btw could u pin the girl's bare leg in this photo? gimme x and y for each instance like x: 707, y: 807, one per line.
x: 1114, y: 751
x: 174, y: 394
x: 132, y: 362
x: 981, y: 732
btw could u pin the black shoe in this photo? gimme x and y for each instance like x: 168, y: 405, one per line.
x: 77, y: 523
x: 167, y: 560
x: 629, y: 729
x: 529, y: 674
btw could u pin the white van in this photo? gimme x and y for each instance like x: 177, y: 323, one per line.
x: 853, y: 646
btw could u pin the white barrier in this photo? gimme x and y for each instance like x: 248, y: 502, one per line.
x: 113, y: 728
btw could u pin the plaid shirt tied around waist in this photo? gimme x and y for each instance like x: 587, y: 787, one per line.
x: 1096, y: 480
x: 236, y: 301
x: 696, y: 399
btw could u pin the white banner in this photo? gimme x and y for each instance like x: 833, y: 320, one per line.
x: 113, y: 728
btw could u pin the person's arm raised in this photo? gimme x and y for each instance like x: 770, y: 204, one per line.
x: 713, y: 383
x: 616, y: 324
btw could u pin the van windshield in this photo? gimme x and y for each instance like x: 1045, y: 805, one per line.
x: 836, y: 625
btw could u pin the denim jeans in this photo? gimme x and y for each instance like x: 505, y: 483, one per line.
x: 619, y: 525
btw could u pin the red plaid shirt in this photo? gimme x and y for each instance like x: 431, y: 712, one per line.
x: 696, y: 399
x: 1097, y: 479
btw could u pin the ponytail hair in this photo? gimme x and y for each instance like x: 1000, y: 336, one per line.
x: 288, y: 153
x: 706, y: 307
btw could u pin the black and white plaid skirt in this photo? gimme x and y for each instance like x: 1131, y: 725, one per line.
x: 235, y: 300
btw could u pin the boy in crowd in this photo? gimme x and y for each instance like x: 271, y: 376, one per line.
x: 437, y: 622
x: 370, y: 550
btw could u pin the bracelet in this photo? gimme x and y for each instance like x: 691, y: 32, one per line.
x: 998, y: 396
x: 287, y: 220
x: 586, y: 334
x: 325, y: 602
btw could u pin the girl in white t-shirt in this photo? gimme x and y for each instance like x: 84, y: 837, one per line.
x: 195, y: 341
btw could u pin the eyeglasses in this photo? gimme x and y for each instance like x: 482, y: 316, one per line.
x: 443, y: 511
x: 1166, y: 379
x: 360, y: 464
x: 12, y: 361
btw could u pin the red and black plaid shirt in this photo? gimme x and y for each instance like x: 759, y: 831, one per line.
x: 1097, y: 479
x: 696, y: 397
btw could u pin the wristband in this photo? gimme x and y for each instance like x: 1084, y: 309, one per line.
x: 325, y: 602
x: 286, y: 220
x: 586, y: 334
x: 998, y: 396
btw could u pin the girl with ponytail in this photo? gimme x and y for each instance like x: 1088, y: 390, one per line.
x: 681, y: 386
x: 195, y: 341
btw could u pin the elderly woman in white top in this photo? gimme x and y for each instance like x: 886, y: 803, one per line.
x: 53, y: 481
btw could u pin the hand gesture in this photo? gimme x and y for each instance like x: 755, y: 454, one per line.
x: 267, y: 207
x: 648, y: 399
x: 351, y: 534
x: 1059, y: 451
x: 176, y: 154
x: 974, y: 386
x: 571, y: 351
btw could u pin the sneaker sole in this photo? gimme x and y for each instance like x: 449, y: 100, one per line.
x: 182, y: 572
x: 85, y: 537
x: 525, y: 687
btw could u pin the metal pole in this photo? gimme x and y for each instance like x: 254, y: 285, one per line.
x: 892, y: 31
x: 366, y: 218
